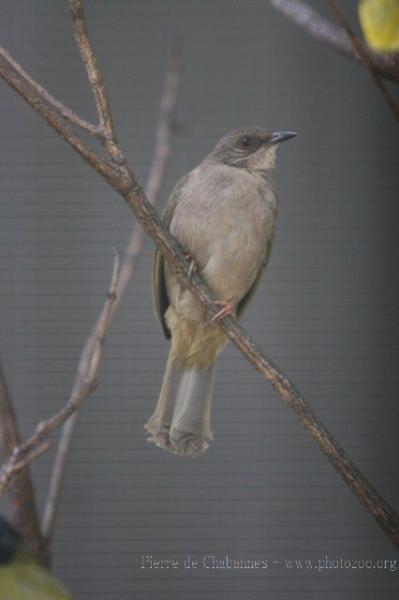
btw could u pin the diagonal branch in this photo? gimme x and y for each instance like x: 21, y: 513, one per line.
x: 323, y: 30
x: 127, y: 270
x: 158, y: 166
x: 59, y: 107
x: 22, y: 495
x: 129, y: 188
x: 57, y: 479
x: 86, y: 383
x: 361, y: 51
x: 30, y: 90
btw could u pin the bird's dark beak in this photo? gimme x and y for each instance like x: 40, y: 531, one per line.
x: 281, y: 136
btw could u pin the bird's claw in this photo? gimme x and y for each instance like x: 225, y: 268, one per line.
x: 193, y: 268
x: 227, y: 309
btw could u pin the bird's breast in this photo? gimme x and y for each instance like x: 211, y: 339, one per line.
x: 227, y: 228
x: 242, y: 208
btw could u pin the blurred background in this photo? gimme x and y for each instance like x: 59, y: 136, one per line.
x: 326, y: 311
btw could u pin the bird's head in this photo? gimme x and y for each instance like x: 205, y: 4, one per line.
x: 253, y: 149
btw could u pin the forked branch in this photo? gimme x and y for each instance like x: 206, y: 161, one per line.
x: 324, y: 30
x: 96, y: 81
x: 86, y: 382
x: 126, y: 184
x: 127, y: 271
x: 45, y: 97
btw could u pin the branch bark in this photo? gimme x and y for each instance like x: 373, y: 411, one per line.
x: 96, y: 81
x: 361, y: 51
x: 86, y: 383
x: 84, y: 386
x: 22, y: 495
x: 323, y: 30
x: 45, y: 96
x: 125, y: 183
x: 127, y: 271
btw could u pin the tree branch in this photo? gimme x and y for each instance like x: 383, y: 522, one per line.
x: 96, y: 81
x: 57, y: 479
x: 62, y: 110
x: 32, y: 93
x: 158, y: 166
x: 129, y: 188
x: 361, y: 50
x: 127, y: 270
x: 323, y: 30
x: 22, y: 496
x: 85, y: 384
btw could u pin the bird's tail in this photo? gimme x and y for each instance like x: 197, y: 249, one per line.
x: 181, y: 420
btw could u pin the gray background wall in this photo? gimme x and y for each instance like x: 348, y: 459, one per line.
x: 326, y: 311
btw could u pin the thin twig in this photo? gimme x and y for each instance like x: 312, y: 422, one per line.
x: 127, y: 270
x: 130, y: 189
x: 85, y: 383
x: 87, y: 371
x: 18, y: 465
x: 45, y: 96
x: 158, y: 165
x: 22, y: 495
x: 364, y: 55
x: 96, y: 81
x: 57, y: 480
x: 28, y: 89
x: 324, y: 30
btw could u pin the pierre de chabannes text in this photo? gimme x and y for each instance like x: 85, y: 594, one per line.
x: 227, y: 562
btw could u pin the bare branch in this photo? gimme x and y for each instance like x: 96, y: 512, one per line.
x: 22, y: 496
x: 9, y: 427
x: 158, y: 166
x: 96, y: 81
x: 360, y: 49
x: 27, y: 88
x: 127, y: 270
x: 59, y: 107
x: 18, y: 465
x: 57, y: 479
x: 85, y: 384
x: 130, y: 189
x: 323, y: 30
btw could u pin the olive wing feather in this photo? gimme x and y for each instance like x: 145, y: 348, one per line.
x: 243, y: 303
x: 159, y: 289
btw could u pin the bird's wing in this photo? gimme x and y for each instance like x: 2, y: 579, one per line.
x: 159, y: 291
x: 243, y: 303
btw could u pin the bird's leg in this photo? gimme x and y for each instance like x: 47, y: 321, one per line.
x: 193, y: 268
x: 227, y: 309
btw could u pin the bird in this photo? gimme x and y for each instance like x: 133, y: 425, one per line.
x: 223, y: 214
x: 20, y: 577
x: 380, y: 23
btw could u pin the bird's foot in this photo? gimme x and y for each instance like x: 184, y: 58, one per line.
x: 227, y: 309
x: 193, y: 268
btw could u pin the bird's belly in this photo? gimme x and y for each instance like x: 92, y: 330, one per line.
x: 229, y: 261
x: 235, y: 262
x: 229, y: 245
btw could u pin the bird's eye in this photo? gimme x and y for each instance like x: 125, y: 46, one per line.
x: 246, y: 142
